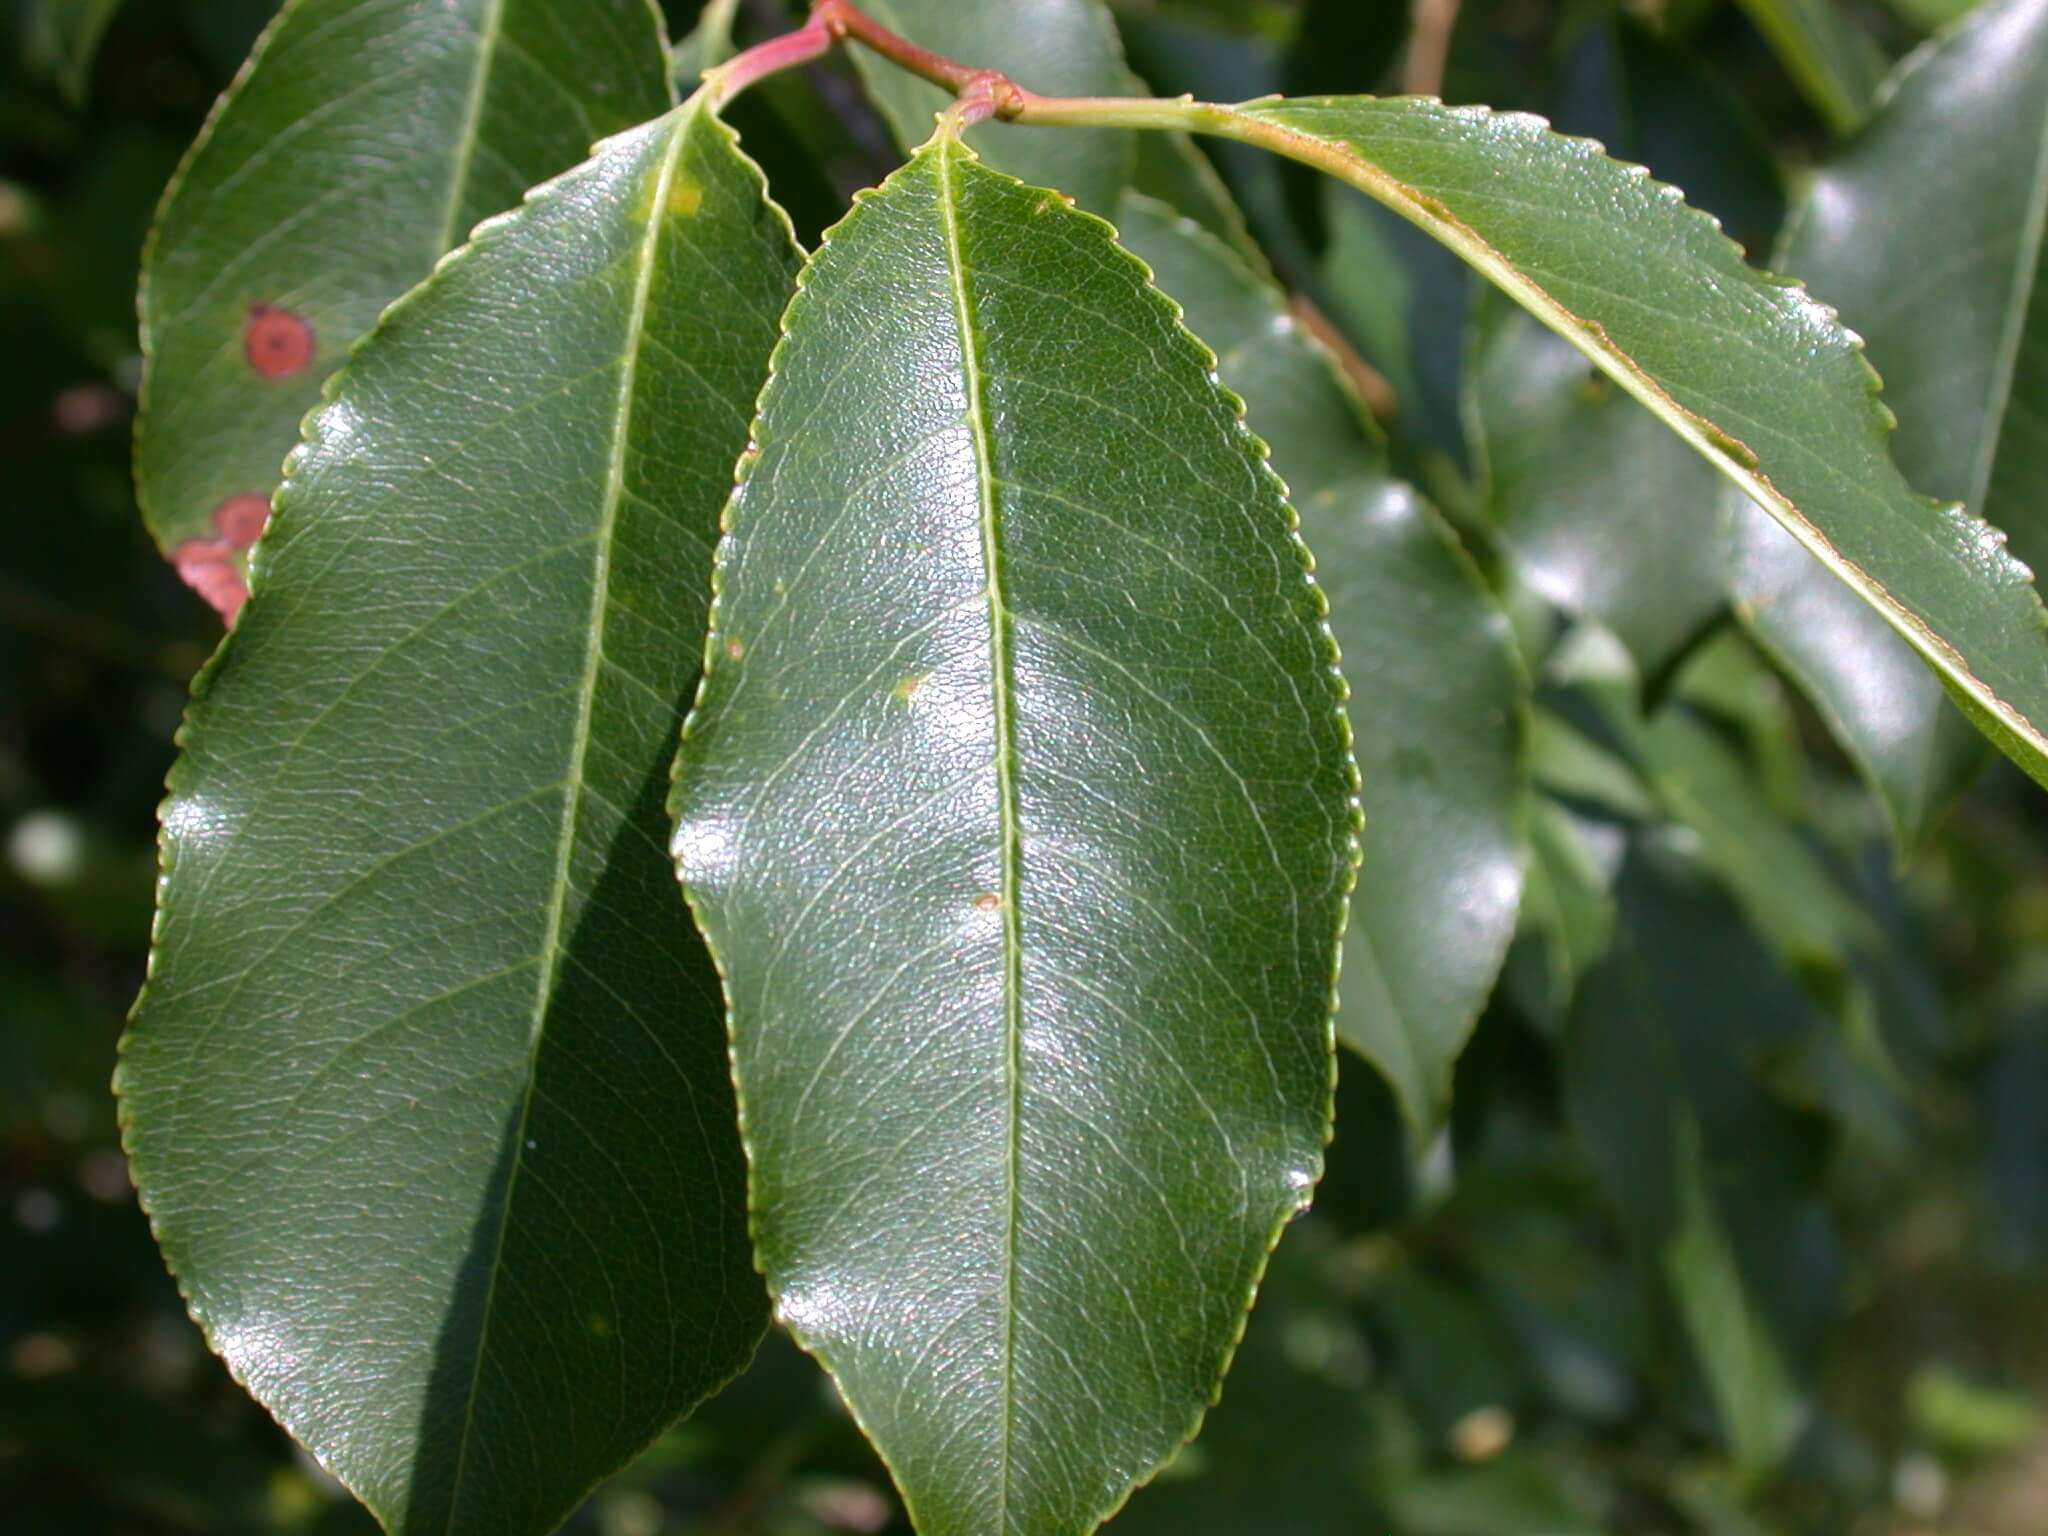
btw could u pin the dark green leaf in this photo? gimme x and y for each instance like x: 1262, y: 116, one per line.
x: 360, y: 143
x: 427, y: 1093
x: 1713, y: 1179
x: 1601, y: 508
x: 1567, y: 917
x: 1018, y: 811
x: 1751, y: 371
x: 1834, y: 62
x: 63, y: 36
x: 1438, y: 695
x: 1950, y: 182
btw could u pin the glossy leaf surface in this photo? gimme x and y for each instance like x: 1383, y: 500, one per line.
x: 1601, y: 508
x: 427, y: 1094
x: 360, y: 143
x: 1951, y: 182
x: 1751, y: 371
x: 1018, y: 811
x: 1437, y: 694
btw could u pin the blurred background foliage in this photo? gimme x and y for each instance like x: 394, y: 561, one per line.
x: 1821, y: 1314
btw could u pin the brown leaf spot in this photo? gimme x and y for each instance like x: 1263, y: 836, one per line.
x: 735, y: 649
x: 209, y: 568
x: 240, y: 519
x: 987, y: 901
x: 277, y: 342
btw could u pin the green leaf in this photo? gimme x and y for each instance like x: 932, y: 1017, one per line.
x: 427, y: 1094
x: 1438, y: 693
x: 1598, y: 505
x: 1567, y: 918
x: 63, y: 37
x: 709, y: 44
x: 1834, y: 62
x: 1951, y: 182
x: 1752, y: 372
x: 1063, y: 47
x: 359, y: 144
x: 1713, y: 1179
x: 1018, y: 810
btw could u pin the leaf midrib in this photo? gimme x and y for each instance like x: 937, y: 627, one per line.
x: 1342, y: 159
x: 472, y: 121
x: 1000, y: 684
x: 572, y: 798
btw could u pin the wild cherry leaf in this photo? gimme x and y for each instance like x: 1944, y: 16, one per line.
x: 1755, y: 374
x: 1598, y: 505
x: 1018, y: 810
x: 1950, y: 180
x: 1715, y: 1179
x: 1438, y: 695
x: 427, y: 1094
x: 361, y: 141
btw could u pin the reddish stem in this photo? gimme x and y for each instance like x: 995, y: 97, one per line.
x: 806, y: 43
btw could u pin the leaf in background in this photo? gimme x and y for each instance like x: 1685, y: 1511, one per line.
x: 1834, y: 62
x: 1752, y: 371
x: 1063, y: 47
x: 1437, y: 698
x: 63, y: 37
x: 1716, y: 1183
x: 427, y: 1094
x: 1018, y: 809
x: 1702, y: 783
x: 357, y: 146
x: 708, y: 44
x: 1171, y: 168
x: 1567, y: 918
x: 1950, y: 181
x: 1600, y: 507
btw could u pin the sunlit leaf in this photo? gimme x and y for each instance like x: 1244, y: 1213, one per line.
x: 1761, y: 378
x: 1949, y: 182
x: 359, y: 144
x: 427, y: 1094
x: 1018, y: 811
x: 1438, y: 695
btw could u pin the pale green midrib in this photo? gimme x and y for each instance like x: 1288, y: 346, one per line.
x: 2019, y: 308
x: 572, y: 797
x: 1336, y: 156
x: 472, y: 122
x: 1000, y: 680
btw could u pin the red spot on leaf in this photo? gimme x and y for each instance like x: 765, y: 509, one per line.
x: 209, y: 567
x: 277, y: 342
x: 240, y: 519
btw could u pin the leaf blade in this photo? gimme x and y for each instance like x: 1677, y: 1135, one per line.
x: 340, y: 165
x: 416, y: 905
x: 1954, y: 364
x: 1439, y: 697
x: 843, y: 837
x: 1655, y: 303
